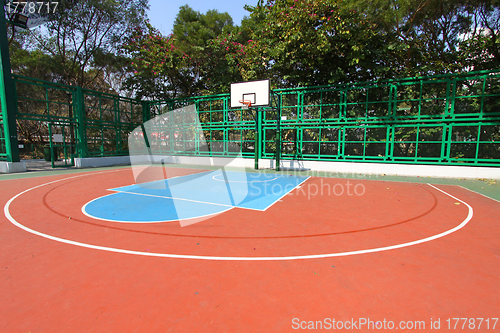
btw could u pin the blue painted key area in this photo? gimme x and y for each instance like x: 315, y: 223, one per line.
x: 192, y: 196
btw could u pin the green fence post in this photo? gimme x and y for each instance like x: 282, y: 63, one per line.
x: 341, y: 148
x: 80, y: 123
x: 389, y: 147
x: 448, y: 142
x: 51, y: 146
x: 449, y: 99
x: 257, y: 138
x: 146, y: 111
x: 342, y: 104
x: 393, y: 102
x: 7, y: 91
x: 278, y: 133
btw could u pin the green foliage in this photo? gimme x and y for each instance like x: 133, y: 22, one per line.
x: 312, y: 43
x: 156, y: 64
x: 193, y: 29
x: 433, y: 36
x: 107, y: 43
x: 185, y: 63
x: 222, y: 66
x: 81, y: 42
x: 193, y: 33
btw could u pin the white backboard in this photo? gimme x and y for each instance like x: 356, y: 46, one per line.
x: 257, y: 92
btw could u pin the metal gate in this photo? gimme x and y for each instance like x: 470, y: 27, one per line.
x: 61, y: 150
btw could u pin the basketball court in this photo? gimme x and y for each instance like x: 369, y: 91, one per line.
x: 165, y: 245
x: 327, y: 248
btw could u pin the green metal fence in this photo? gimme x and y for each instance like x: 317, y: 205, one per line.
x: 447, y: 120
x: 3, y: 140
x: 92, y: 123
x: 430, y: 120
x: 228, y: 132
x: 107, y: 121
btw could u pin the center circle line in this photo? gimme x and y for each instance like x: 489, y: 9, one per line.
x: 221, y: 258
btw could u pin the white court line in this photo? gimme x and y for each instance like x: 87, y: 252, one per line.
x: 184, y: 256
x: 84, y: 211
x: 155, y: 181
x: 242, y: 181
x: 484, y: 195
x: 293, y: 188
x: 172, y: 198
x: 165, y: 197
x: 192, y: 200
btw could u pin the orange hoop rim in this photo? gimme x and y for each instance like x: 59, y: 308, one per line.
x: 246, y: 102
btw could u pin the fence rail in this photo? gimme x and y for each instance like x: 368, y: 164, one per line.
x: 100, y: 122
x: 446, y: 119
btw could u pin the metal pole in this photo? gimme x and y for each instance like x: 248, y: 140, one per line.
x: 7, y: 93
x: 72, y: 148
x: 80, y: 126
x: 257, y: 138
x: 51, y: 147
x: 146, y: 111
x: 278, y: 134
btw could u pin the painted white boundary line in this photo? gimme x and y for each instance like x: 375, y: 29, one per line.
x: 286, y: 193
x: 468, y: 189
x: 182, y: 199
x: 229, y: 207
x: 182, y: 256
x: 243, y: 181
x: 84, y: 211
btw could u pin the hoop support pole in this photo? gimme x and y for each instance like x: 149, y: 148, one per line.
x: 257, y: 138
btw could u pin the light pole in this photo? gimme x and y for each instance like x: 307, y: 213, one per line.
x: 7, y: 93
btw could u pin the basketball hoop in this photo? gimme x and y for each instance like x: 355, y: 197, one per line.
x: 245, y: 104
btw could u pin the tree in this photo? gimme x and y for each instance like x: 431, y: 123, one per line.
x: 193, y: 33
x: 310, y: 43
x: 222, y: 63
x: 481, y: 44
x: 79, y: 45
x: 188, y: 62
x: 432, y: 36
x: 82, y: 38
x: 157, y: 64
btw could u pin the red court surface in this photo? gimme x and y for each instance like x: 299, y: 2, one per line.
x: 404, y: 257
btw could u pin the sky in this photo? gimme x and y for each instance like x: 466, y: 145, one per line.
x: 162, y: 13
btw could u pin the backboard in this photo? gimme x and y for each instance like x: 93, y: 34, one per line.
x: 257, y: 92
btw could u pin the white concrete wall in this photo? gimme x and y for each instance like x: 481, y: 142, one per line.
x: 101, y: 161
x: 10, y: 167
x: 208, y: 161
x: 439, y: 171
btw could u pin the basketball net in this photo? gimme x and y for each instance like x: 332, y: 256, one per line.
x: 245, y: 104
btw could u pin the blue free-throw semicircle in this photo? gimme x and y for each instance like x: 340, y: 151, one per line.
x: 192, y: 196
x: 132, y: 208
